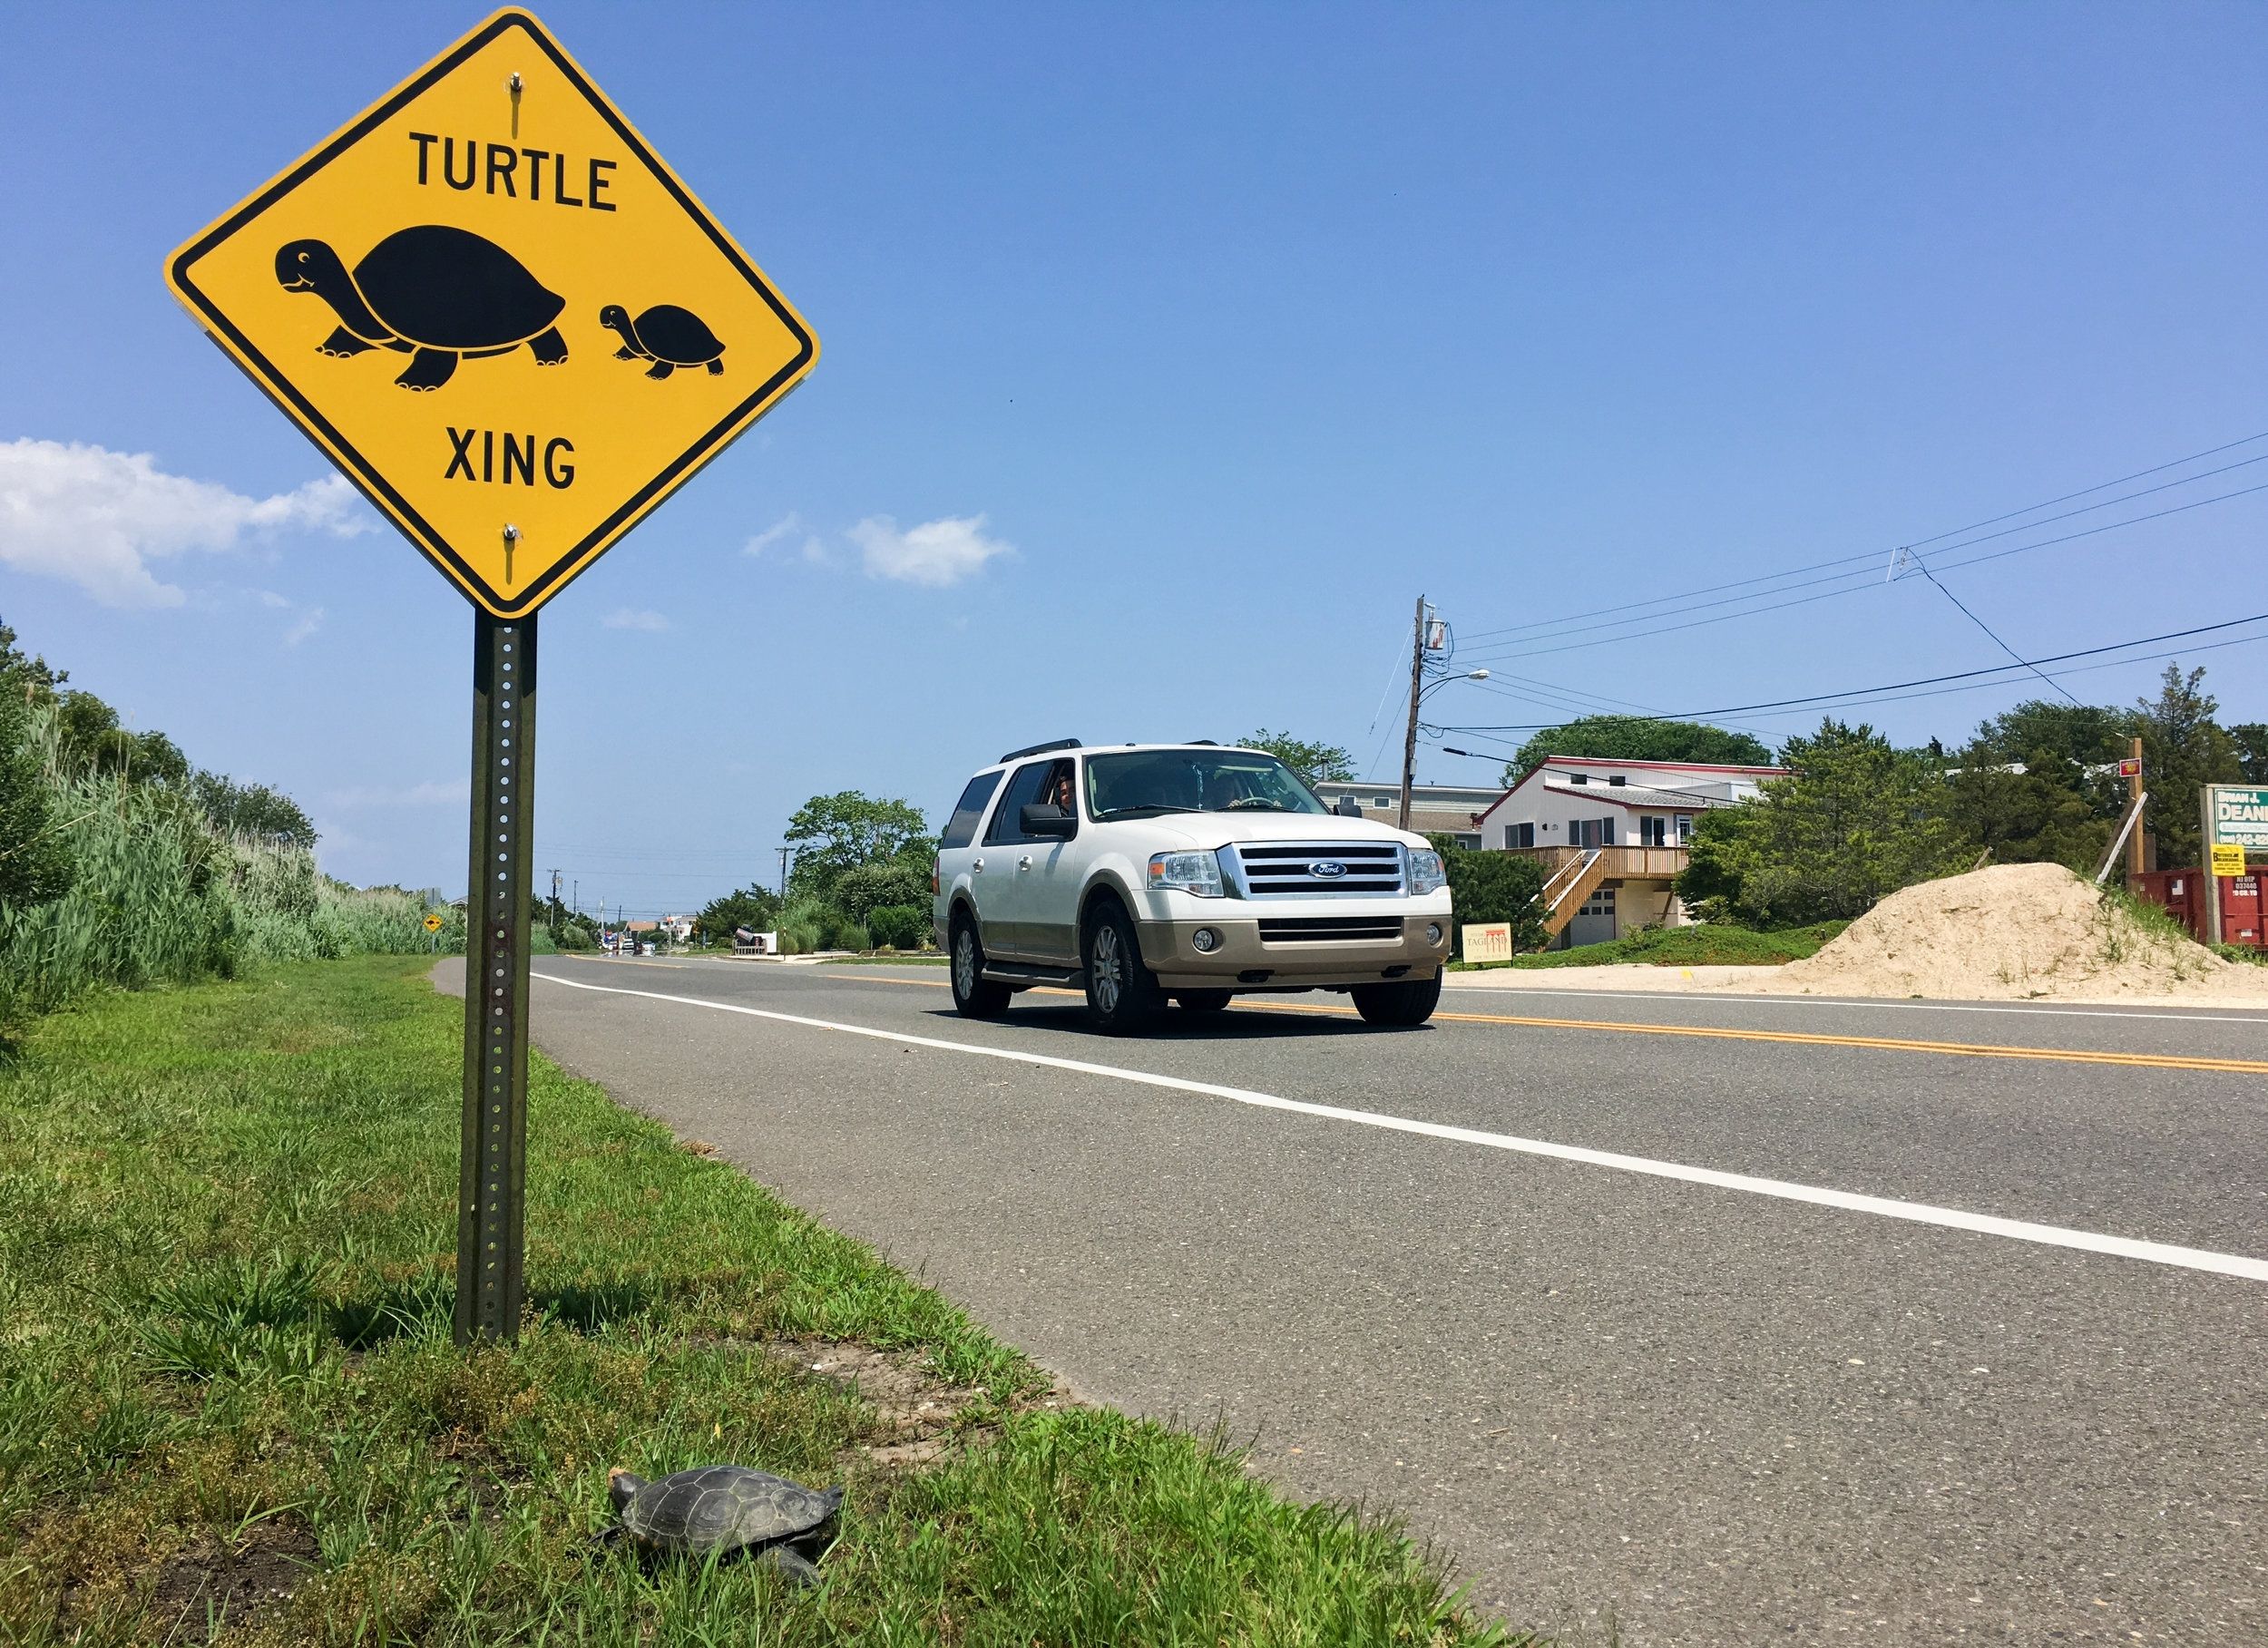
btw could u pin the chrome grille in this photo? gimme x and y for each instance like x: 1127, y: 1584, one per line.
x: 1330, y: 930
x: 1266, y: 869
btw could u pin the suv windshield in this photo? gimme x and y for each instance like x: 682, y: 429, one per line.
x: 1194, y: 781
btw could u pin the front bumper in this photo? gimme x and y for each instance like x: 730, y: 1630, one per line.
x: 1243, y: 959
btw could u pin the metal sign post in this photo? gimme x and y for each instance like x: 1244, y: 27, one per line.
x: 491, y: 1171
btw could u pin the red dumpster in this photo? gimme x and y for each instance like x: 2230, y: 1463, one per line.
x: 2182, y: 892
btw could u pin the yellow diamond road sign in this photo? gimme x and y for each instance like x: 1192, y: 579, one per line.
x: 433, y: 924
x: 499, y: 312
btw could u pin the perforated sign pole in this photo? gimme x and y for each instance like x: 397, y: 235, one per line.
x: 492, y: 1202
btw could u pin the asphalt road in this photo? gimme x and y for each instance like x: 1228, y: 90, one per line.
x: 1757, y: 1371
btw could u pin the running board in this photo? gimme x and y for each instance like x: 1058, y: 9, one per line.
x: 1020, y: 973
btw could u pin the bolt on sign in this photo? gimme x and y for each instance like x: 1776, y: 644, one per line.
x: 499, y: 312
x: 493, y: 306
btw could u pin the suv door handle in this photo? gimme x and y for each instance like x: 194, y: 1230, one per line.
x: 1024, y: 863
x: 977, y: 868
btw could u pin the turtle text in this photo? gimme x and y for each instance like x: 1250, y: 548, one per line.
x: 496, y: 168
x: 518, y: 456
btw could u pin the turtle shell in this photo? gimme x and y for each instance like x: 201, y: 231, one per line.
x: 448, y: 288
x: 676, y: 336
x: 725, y: 1508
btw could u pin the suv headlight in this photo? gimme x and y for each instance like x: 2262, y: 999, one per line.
x: 1195, y: 873
x: 1426, y: 874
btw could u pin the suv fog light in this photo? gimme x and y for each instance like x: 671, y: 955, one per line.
x: 1206, y: 940
x: 1433, y: 932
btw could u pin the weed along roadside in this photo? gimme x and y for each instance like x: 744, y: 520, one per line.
x: 228, y: 1395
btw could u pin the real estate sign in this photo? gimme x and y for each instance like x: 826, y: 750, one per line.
x: 1487, y: 941
x: 2237, y: 816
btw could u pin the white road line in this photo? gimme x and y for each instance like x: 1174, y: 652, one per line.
x: 2227, y: 1015
x: 1919, y: 1212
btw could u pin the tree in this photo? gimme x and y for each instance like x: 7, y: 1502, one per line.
x: 1316, y: 763
x: 2183, y: 749
x: 753, y: 907
x: 2040, y: 784
x: 27, y: 676
x: 2251, y: 738
x: 1636, y: 738
x: 251, y: 809
x: 864, y: 889
x: 832, y: 834
x: 1854, y: 821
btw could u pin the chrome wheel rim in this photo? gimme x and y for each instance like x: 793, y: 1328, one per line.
x: 1108, y: 968
x: 964, y: 964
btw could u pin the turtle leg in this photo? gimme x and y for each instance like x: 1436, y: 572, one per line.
x: 625, y: 353
x: 342, y: 343
x: 660, y: 368
x: 428, y: 369
x: 716, y: 368
x: 549, y: 347
x: 788, y: 1565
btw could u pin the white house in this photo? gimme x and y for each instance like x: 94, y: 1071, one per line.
x: 1612, y: 835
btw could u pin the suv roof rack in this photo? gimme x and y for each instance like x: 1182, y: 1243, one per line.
x: 1039, y: 749
x: 1214, y: 742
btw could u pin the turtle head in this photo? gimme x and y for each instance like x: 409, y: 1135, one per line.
x: 310, y: 266
x: 621, y: 1487
x: 616, y: 317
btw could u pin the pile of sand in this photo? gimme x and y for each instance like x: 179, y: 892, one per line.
x: 2010, y: 933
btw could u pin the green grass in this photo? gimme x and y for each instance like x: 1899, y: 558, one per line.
x: 1710, y: 944
x: 224, y: 1355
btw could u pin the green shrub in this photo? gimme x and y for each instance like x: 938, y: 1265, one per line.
x: 1485, y: 886
x: 899, y: 926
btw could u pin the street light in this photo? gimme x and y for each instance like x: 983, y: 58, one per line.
x: 1409, y: 746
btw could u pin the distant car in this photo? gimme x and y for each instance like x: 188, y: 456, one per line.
x: 1195, y: 873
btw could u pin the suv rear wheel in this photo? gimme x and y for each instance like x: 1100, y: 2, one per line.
x: 975, y: 996
x: 1403, y: 1004
x: 1121, y: 993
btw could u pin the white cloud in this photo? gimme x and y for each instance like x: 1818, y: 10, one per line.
x: 310, y: 620
x: 937, y: 552
x: 771, y: 534
x: 97, y: 518
x: 432, y: 793
x: 629, y: 618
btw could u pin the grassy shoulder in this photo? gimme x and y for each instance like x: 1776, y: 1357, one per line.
x: 1710, y: 944
x: 228, y: 1397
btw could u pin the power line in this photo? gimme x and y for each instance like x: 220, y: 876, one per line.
x: 1916, y: 543
x: 1981, y: 624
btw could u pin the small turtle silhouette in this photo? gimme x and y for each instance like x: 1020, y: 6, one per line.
x: 667, y: 335
x: 434, y: 293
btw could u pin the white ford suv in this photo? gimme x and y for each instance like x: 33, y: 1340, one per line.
x: 1184, y: 871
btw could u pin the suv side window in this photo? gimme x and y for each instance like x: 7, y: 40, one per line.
x: 961, y: 829
x: 1024, y: 789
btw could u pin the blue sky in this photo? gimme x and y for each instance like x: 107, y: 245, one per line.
x: 1201, y: 340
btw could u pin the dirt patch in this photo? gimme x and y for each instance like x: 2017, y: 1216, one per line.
x: 918, y: 1415
x: 205, y: 1583
x: 2014, y: 932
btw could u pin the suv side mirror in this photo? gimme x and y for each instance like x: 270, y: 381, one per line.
x: 1348, y: 807
x: 1047, y: 822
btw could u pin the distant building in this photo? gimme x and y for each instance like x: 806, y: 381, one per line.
x: 1613, y: 836
x: 680, y: 928
x: 1436, y: 809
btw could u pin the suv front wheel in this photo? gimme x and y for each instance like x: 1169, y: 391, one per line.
x: 1123, y: 994
x: 1402, y: 1005
x: 975, y: 996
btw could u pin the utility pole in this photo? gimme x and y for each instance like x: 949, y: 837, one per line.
x: 783, y: 874
x: 1409, y: 740
x: 554, y: 914
x: 2134, y: 837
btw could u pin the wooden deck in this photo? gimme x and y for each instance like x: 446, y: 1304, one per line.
x: 1620, y: 863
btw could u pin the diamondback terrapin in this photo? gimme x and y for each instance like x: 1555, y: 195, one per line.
x: 667, y: 335
x: 723, y: 1509
x: 434, y: 293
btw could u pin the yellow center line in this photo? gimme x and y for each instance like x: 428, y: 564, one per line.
x: 1959, y: 1049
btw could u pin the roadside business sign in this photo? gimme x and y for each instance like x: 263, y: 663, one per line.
x: 2237, y: 814
x: 2130, y: 767
x: 499, y: 312
x: 1487, y: 940
x: 2228, y: 860
x: 515, y: 331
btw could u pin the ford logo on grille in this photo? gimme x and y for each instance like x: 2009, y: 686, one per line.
x: 1326, y: 869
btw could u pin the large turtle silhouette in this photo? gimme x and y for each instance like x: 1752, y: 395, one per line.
x: 434, y: 293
